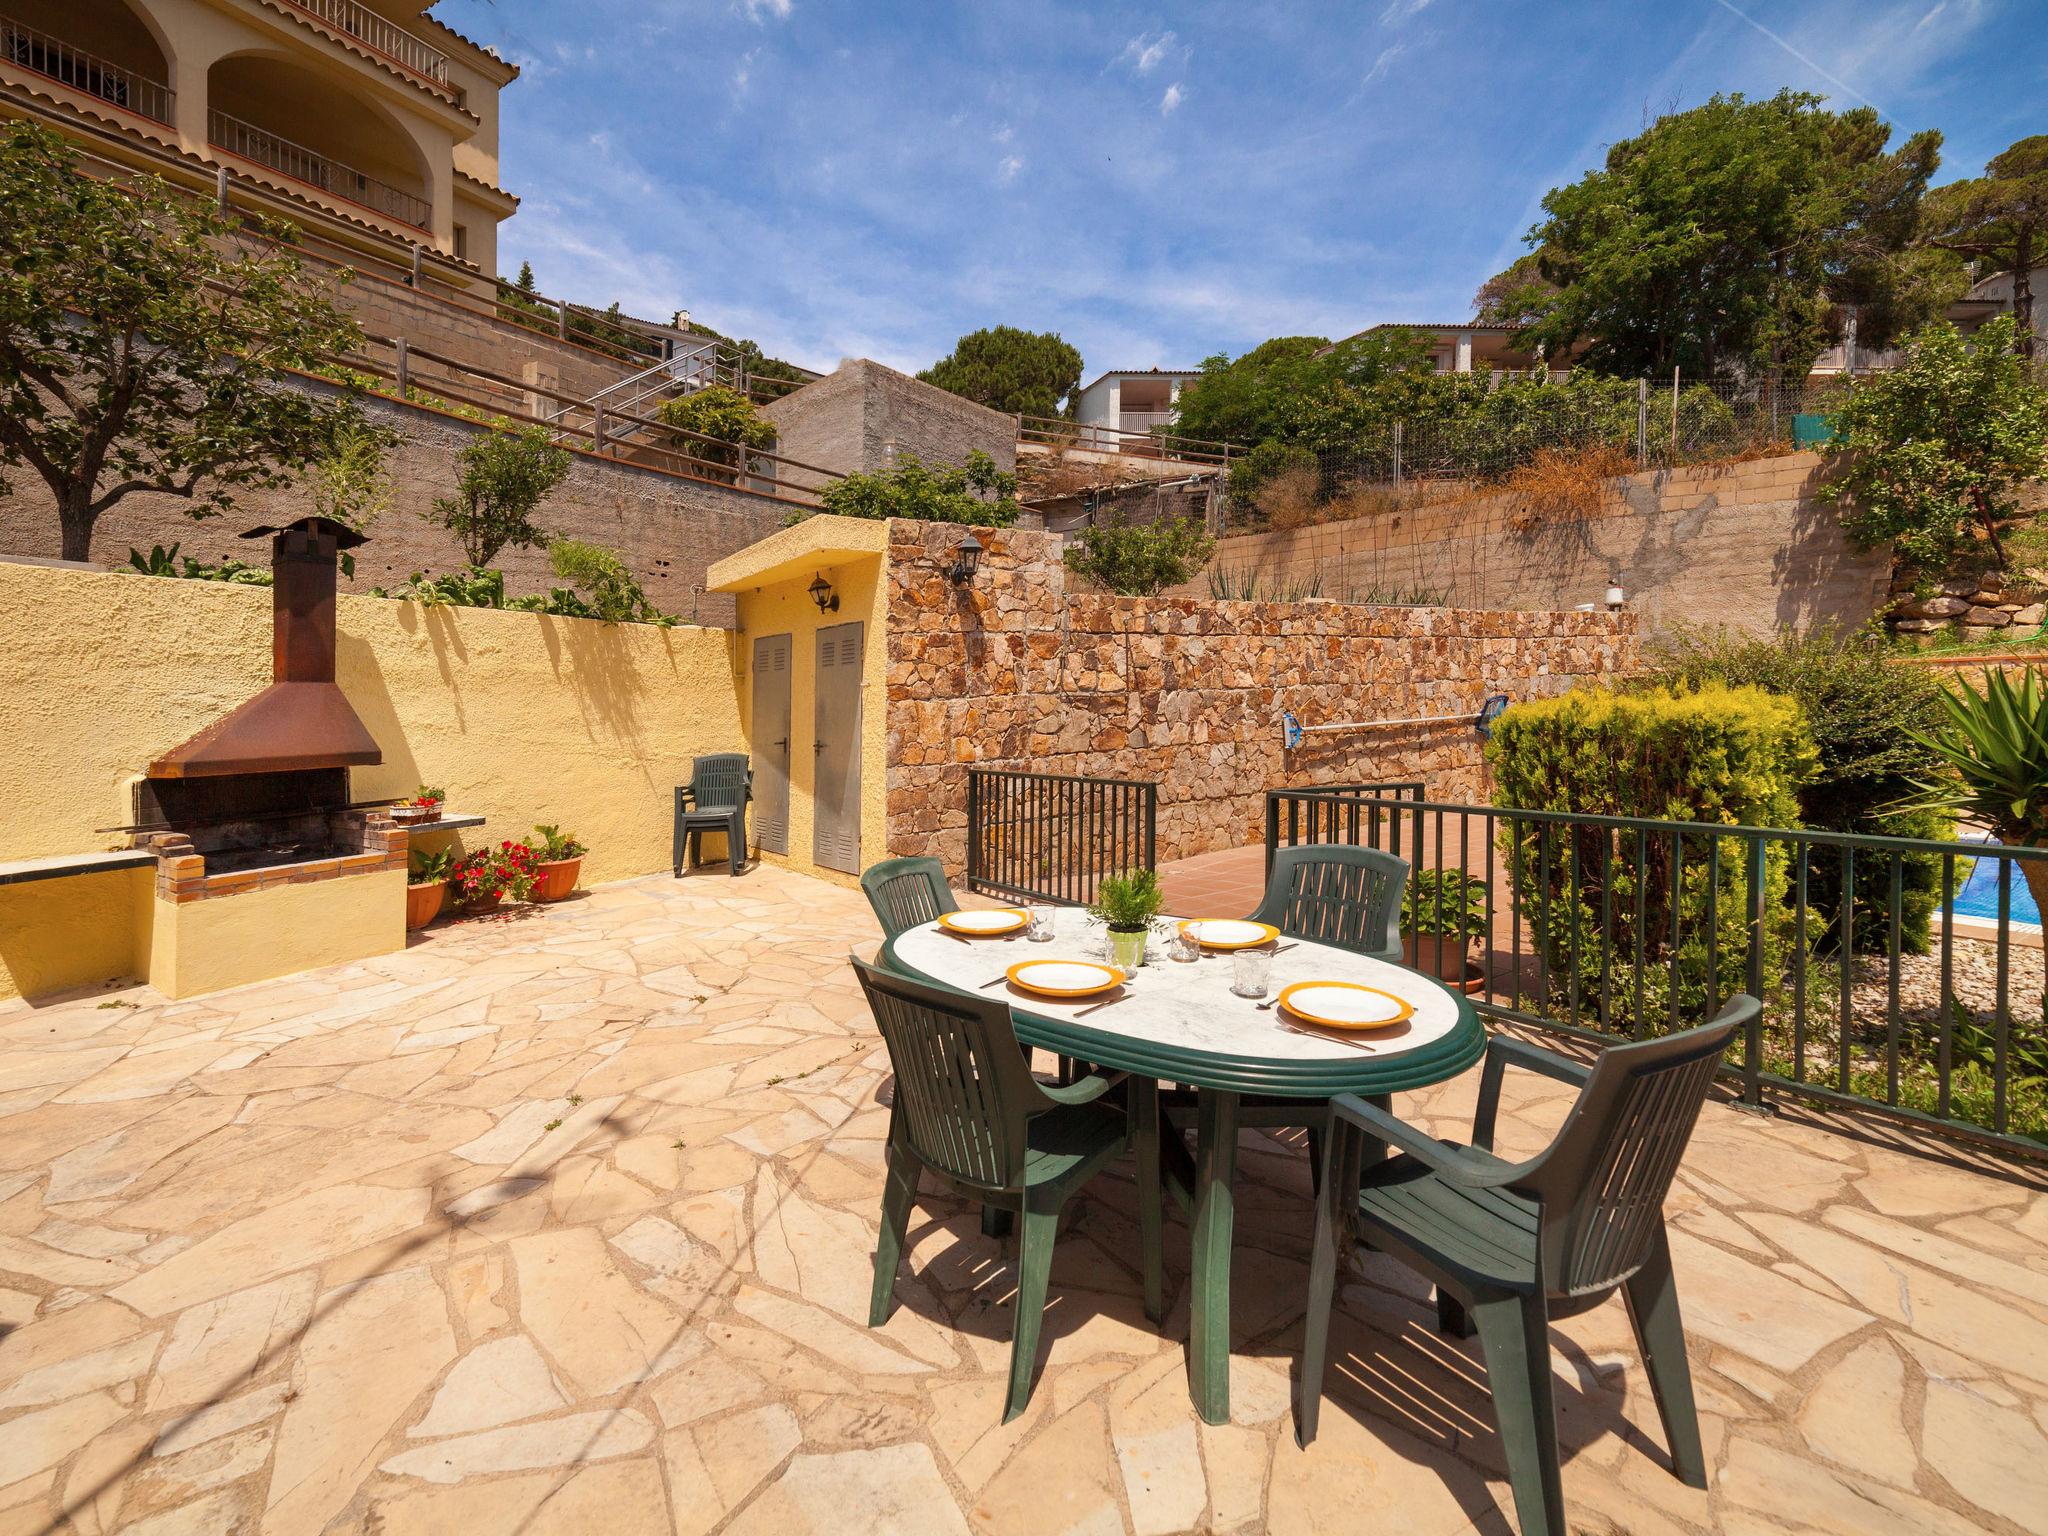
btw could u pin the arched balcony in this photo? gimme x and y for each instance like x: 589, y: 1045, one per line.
x: 306, y: 128
x: 99, y: 48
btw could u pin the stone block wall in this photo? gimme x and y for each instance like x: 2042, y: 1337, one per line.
x: 862, y: 417
x: 668, y: 529
x: 1749, y: 545
x: 1020, y: 669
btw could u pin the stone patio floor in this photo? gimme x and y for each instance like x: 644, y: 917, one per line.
x: 561, y: 1222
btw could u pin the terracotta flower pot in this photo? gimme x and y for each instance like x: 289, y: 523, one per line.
x: 554, y: 881
x: 483, y: 902
x: 1438, y: 955
x: 423, y: 903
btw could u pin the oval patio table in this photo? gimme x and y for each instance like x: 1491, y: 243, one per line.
x: 1180, y: 1023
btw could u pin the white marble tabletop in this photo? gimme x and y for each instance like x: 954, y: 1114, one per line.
x: 1190, y: 1005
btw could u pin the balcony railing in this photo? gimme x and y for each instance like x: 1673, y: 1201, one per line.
x: 53, y: 59
x: 331, y: 176
x: 378, y: 35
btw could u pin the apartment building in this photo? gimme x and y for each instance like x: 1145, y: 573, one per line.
x: 368, y: 122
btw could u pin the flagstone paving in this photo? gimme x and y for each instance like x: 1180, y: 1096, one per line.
x: 561, y: 1222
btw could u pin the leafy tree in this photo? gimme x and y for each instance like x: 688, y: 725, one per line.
x: 1140, y: 559
x: 1303, y: 390
x: 148, y: 343
x: 607, y: 588
x: 1007, y: 369
x: 1518, y: 296
x: 1939, y: 446
x: 720, y: 413
x: 1999, y: 221
x: 505, y: 477
x: 350, y: 481
x: 524, y: 282
x: 977, y: 493
x: 1718, y: 240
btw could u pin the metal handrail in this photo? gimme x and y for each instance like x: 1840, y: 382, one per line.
x: 1095, y: 437
x: 54, y: 59
x: 334, y: 177
x: 379, y: 35
x: 1053, y: 837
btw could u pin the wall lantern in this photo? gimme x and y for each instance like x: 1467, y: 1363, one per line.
x: 1615, y: 596
x: 966, y: 559
x: 823, y: 595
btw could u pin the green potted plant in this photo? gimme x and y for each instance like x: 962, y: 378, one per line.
x: 426, y: 887
x: 1442, y: 910
x: 558, y: 860
x: 422, y: 806
x: 486, y: 877
x: 1128, y: 903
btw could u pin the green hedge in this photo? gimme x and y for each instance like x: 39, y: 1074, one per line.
x: 1735, y: 756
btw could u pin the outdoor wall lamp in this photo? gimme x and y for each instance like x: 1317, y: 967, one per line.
x: 966, y: 560
x: 822, y: 594
x: 1615, y: 596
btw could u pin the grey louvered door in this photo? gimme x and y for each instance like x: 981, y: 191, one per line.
x: 835, y: 835
x: 771, y: 743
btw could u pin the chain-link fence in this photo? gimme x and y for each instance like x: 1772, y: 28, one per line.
x: 1492, y: 431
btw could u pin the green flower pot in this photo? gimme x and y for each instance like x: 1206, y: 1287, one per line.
x: 1128, y: 949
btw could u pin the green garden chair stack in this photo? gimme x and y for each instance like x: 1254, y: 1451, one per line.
x: 1511, y: 1245
x: 968, y: 1111
x: 715, y: 800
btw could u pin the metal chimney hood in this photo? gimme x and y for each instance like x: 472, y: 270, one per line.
x: 302, y: 720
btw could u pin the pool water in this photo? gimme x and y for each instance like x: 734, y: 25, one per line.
x: 1979, y: 895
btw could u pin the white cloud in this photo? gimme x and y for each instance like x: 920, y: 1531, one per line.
x: 777, y: 9
x: 1007, y: 171
x: 1004, y: 134
x: 1384, y: 62
x: 1399, y: 11
x: 1147, y: 51
x: 743, y: 71
x: 1174, y: 97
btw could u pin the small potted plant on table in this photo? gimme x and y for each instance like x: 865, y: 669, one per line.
x: 1442, y: 911
x: 426, y: 887
x: 423, y: 806
x: 486, y: 877
x: 558, y: 860
x: 1128, y: 903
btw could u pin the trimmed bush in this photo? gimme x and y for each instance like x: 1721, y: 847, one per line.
x: 1617, y: 914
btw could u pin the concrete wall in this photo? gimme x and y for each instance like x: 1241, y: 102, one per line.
x: 521, y: 718
x: 1021, y: 670
x: 668, y: 529
x: 1747, y: 545
x: 862, y: 417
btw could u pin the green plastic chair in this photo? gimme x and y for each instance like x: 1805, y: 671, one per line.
x: 970, y: 1113
x: 1335, y: 894
x: 907, y: 892
x: 1511, y: 1245
x: 715, y: 800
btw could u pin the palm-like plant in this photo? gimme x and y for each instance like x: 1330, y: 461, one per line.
x: 1996, y: 744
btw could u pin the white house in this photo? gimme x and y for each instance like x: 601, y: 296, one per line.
x: 1133, y: 399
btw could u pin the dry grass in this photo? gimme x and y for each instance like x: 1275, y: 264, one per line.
x: 1291, y: 499
x: 1561, y: 485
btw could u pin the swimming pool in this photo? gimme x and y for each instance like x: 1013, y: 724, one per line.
x: 1979, y: 895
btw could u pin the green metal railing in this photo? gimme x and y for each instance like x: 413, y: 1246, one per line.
x: 1331, y: 813
x: 1052, y: 837
x: 1878, y: 992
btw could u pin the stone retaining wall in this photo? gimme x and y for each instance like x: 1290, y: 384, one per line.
x: 863, y: 417
x: 668, y: 529
x: 1018, y: 669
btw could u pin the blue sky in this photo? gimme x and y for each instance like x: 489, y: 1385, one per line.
x: 1156, y: 182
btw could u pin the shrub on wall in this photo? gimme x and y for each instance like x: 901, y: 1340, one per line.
x: 1612, y: 910
x: 1869, y: 714
x: 505, y: 477
x: 976, y: 493
x: 1140, y: 559
x: 726, y: 416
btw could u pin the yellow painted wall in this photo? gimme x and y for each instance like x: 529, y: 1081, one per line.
x: 786, y: 607
x: 76, y: 932
x: 520, y: 717
x: 226, y: 941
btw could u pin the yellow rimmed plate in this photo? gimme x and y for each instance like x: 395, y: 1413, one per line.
x: 1229, y: 932
x: 1344, y: 1005
x: 1064, y: 978
x: 983, y: 923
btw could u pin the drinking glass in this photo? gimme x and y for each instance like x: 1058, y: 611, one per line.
x: 1040, y: 915
x: 1251, y: 972
x: 1183, y: 948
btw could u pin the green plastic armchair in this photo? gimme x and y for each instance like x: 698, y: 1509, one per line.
x: 968, y: 1111
x: 715, y: 800
x: 907, y: 892
x: 1511, y: 1245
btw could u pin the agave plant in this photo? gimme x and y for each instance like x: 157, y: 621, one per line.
x: 1996, y: 744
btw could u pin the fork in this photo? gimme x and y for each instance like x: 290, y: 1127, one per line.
x: 1107, y: 1002
x: 1316, y: 1034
